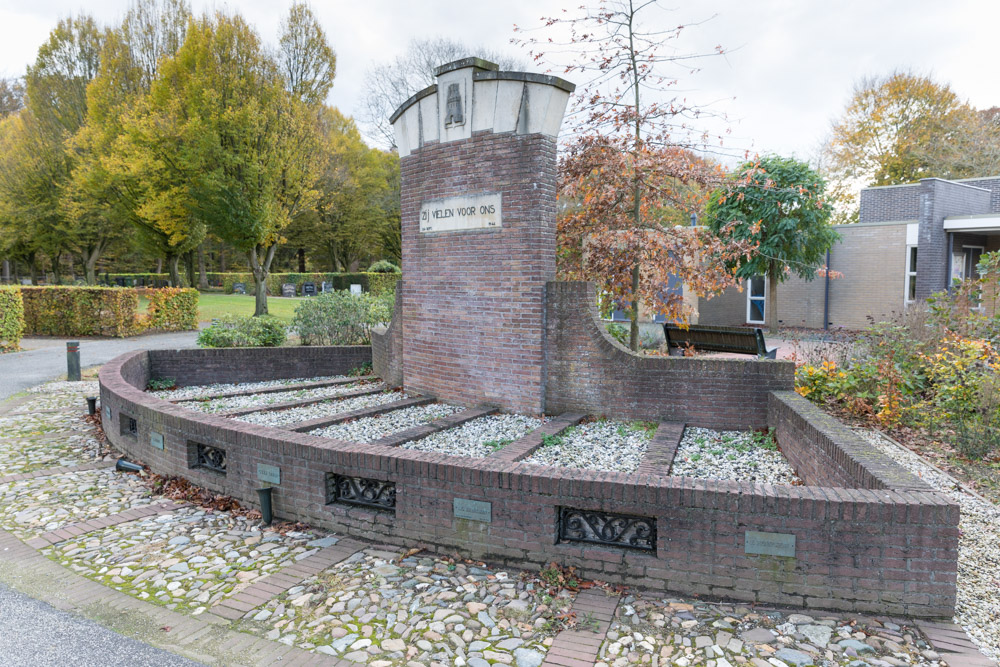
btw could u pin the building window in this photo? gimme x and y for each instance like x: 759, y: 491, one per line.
x: 911, y: 274
x: 756, y: 299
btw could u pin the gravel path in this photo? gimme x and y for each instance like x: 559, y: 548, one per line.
x: 652, y: 630
x: 425, y: 611
x: 978, y: 608
x: 186, y: 560
x: 478, y: 438
x: 259, y: 400
x: 33, y: 506
x: 601, y: 445
x: 197, y: 391
x: 368, y: 429
x: 731, y: 455
x: 324, y: 409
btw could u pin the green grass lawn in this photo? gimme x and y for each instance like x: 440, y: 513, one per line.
x: 212, y: 305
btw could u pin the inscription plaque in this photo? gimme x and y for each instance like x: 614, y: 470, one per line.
x: 355, y: 288
x: 480, y: 211
x: 769, y: 544
x: 476, y: 510
x: 156, y: 439
x: 268, y: 473
x: 288, y: 290
x: 308, y: 289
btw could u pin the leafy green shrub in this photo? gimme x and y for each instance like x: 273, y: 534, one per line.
x: 172, y: 309
x: 81, y: 311
x: 244, y: 331
x: 161, y: 384
x: 342, y: 318
x: 384, y: 266
x: 11, y: 317
x: 619, y: 333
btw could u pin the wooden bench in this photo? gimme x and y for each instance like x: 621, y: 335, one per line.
x: 740, y: 340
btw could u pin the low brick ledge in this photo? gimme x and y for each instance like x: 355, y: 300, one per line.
x: 662, y: 449
x: 701, y: 523
x: 72, y: 530
x: 526, y: 445
x: 274, y: 407
x: 322, y: 422
x: 953, y: 644
x: 272, y: 390
x: 581, y: 646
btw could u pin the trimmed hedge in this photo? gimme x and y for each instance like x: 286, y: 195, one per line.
x: 172, y: 309
x: 81, y: 311
x: 11, y: 317
x: 135, y: 279
x: 106, y: 311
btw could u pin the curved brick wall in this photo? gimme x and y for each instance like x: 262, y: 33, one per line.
x: 879, y: 551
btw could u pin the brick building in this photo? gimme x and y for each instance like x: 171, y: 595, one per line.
x: 911, y: 241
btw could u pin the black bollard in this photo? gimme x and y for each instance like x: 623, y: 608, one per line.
x: 91, y: 405
x: 265, y: 505
x: 73, y: 361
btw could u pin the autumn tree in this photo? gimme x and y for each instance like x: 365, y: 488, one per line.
x: 305, y: 58
x: 11, y: 96
x: 777, y: 206
x: 628, y: 162
x: 903, y: 127
x: 388, y: 85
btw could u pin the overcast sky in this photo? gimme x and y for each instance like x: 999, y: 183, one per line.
x: 789, y: 69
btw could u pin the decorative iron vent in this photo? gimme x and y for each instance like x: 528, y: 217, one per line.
x: 361, y: 491
x: 607, y: 528
x: 211, y: 458
x: 127, y: 425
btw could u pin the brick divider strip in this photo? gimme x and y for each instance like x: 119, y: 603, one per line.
x: 320, y: 422
x: 580, y: 648
x: 69, y: 531
x: 526, y: 445
x: 193, y: 636
x: 46, y: 472
x: 272, y: 585
x: 272, y: 390
x: 440, y: 424
x: 295, y: 404
x: 662, y: 449
x: 953, y: 644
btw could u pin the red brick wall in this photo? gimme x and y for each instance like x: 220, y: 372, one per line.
x: 255, y: 364
x: 886, y: 551
x: 387, y: 346
x: 588, y: 371
x: 473, y: 300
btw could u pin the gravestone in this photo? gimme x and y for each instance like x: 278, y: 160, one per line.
x: 355, y: 289
x: 288, y: 290
x: 239, y: 288
x: 478, y: 168
x: 308, y: 289
x: 325, y: 287
x: 120, y: 282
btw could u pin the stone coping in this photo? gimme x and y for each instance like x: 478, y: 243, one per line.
x: 883, y: 550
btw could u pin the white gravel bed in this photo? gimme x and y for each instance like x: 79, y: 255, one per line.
x: 368, y: 429
x: 602, y: 445
x: 197, y: 391
x: 260, y: 400
x: 978, y: 607
x: 324, y: 409
x: 478, y: 438
x: 731, y: 455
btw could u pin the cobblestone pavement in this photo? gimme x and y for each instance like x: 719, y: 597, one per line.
x: 219, y: 588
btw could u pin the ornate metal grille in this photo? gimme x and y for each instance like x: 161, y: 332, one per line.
x: 361, y: 491
x: 128, y: 425
x: 211, y: 458
x: 617, y: 530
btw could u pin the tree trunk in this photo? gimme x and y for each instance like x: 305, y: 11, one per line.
x: 189, y: 265
x: 261, y: 270
x: 174, y: 270
x: 222, y: 259
x: 33, y: 269
x: 633, y: 330
x: 56, y: 269
x: 6, y: 271
x: 772, y: 299
x: 202, y: 276
x: 302, y: 260
x: 159, y: 265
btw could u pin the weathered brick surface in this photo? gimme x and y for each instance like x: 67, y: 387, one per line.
x: 891, y: 548
x: 254, y: 364
x: 590, y: 372
x: 473, y: 300
x: 890, y: 204
x: 387, y: 345
x: 938, y: 200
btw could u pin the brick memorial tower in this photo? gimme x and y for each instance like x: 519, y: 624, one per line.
x: 478, y: 161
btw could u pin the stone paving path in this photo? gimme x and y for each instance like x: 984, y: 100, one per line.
x: 220, y: 589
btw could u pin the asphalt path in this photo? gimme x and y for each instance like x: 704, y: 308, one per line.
x: 44, y: 359
x: 35, y: 634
